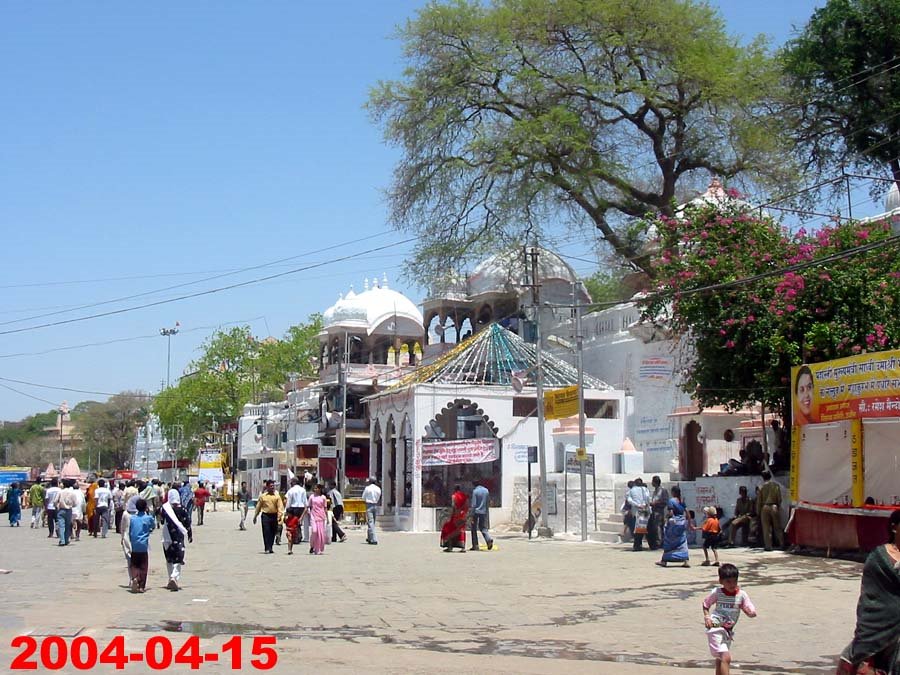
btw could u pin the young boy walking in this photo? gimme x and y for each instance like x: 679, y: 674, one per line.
x: 729, y: 601
x: 712, y: 532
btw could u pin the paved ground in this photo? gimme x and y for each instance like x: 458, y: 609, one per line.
x: 407, y: 607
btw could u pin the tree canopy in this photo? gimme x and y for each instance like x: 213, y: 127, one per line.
x: 521, y: 113
x: 107, y: 429
x: 845, y: 69
x: 818, y: 299
x: 234, y: 369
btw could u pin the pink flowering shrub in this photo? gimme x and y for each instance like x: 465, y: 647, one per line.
x: 747, y: 335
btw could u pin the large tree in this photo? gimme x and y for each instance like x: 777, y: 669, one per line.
x: 521, y: 113
x: 107, y: 429
x: 234, y: 369
x: 845, y: 70
x: 751, y: 299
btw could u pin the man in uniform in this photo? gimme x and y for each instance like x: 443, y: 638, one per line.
x: 768, y: 506
x: 743, y: 517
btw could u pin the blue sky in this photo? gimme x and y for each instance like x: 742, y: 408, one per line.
x: 147, y: 145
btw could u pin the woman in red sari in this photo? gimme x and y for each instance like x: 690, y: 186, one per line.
x: 453, y: 533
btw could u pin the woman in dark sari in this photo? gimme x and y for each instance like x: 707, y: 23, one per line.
x: 453, y: 533
x: 875, y: 648
x: 675, y: 548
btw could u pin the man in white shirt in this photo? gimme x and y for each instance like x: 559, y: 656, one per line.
x: 295, y: 501
x: 50, y: 505
x: 372, y: 497
x: 102, y: 500
x: 66, y: 501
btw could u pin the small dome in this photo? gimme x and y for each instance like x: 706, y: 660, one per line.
x: 377, y: 309
x: 892, y: 201
x: 715, y: 195
x: 505, y: 272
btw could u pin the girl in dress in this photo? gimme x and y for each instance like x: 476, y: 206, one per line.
x: 318, y: 521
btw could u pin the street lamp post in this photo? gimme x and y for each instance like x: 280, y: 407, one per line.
x: 168, y: 333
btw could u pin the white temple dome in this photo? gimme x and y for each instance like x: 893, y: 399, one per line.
x: 505, y: 272
x: 376, y: 310
x: 892, y: 200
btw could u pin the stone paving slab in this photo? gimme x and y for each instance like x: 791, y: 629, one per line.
x: 406, y: 606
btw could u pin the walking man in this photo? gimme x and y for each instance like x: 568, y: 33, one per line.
x: 140, y: 526
x: 118, y: 500
x: 36, y: 499
x: 769, y: 508
x: 337, y: 512
x: 243, y: 500
x: 50, y: 498
x: 659, y: 501
x: 66, y: 501
x: 102, y: 501
x: 271, y: 507
x: 372, y: 497
x: 639, y: 499
x: 214, y: 496
x: 201, y: 494
x: 481, y: 498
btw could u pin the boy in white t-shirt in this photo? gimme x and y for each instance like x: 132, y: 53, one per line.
x: 729, y: 601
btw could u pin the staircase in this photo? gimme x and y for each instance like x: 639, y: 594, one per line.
x: 609, y: 530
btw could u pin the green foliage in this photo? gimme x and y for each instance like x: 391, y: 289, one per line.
x: 605, y: 286
x: 108, y: 428
x: 521, y: 112
x: 28, y: 429
x: 234, y: 369
x: 746, y: 337
x: 846, y: 80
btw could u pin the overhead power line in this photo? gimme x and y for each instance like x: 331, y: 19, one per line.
x: 210, y: 291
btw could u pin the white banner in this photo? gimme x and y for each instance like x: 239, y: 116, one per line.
x: 466, y: 451
x: 210, y: 469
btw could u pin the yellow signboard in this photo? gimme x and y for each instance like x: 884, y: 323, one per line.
x: 855, y: 387
x: 561, y: 403
x: 581, y: 454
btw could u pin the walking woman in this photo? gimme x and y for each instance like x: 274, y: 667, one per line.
x: 14, y: 504
x: 675, y: 546
x: 453, y: 533
x: 876, y: 642
x: 318, y: 521
x: 176, y: 525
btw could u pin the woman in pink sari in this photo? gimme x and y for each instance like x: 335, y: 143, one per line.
x: 318, y: 521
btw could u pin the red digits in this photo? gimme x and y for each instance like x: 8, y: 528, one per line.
x: 62, y: 653
x: 23, y: 660
x: 260, y: 648
x: 114, y: 653
x: 234, y: 646
x: 189, y: 654
x: 90, y: 660
x: 150, y: 653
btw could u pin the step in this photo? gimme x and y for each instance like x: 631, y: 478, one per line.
x: 608, y: 526
x: 604, y: 537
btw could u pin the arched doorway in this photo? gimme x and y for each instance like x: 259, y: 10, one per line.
x: 460, y: 420
x: 692, y: 460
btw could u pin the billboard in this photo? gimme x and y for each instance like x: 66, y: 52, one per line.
x: 211, y: 462
x: 856, y: 387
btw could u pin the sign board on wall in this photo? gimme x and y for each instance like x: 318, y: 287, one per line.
x: 327, y: 452
x: 656, y: 369
x: 561, y: 403
x: 10, y: 477
x: 855, y: 387
x: 705, y: 496
x: 573, y: 465
x: 465, y: 451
